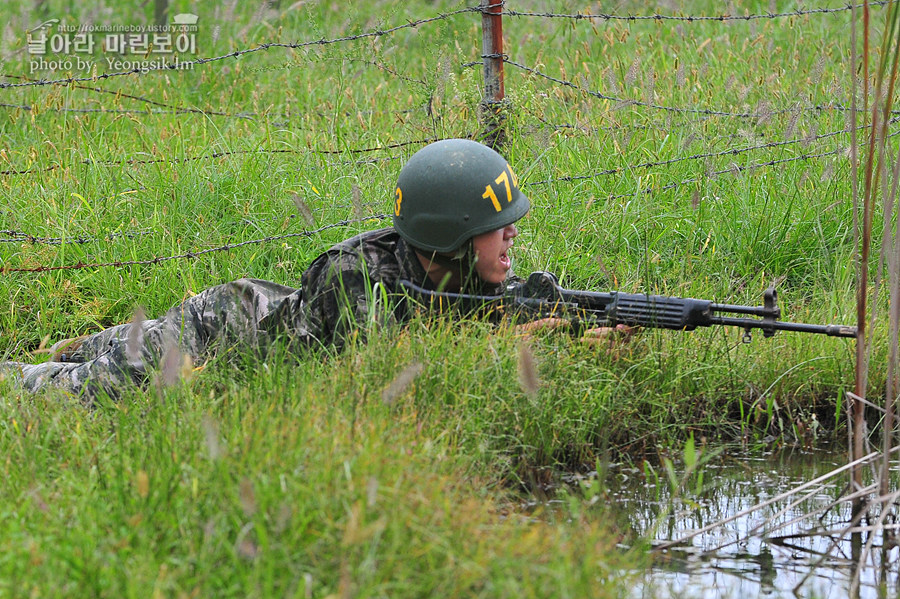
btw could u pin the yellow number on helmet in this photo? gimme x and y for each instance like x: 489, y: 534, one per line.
x: 399, y: 194
x: 503, y: 178
x: 490, y: 195
x: 515, y: 179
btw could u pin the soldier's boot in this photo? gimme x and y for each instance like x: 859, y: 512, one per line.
x: 67, y: 350
x: 33, y: 377
x: 12, y: 371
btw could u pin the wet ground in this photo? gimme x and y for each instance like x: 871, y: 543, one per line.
x: 797, y: 546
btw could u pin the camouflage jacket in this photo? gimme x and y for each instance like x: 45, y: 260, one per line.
x: 340, y: 292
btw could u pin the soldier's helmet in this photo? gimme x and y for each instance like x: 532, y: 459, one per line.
x: 453, y: 190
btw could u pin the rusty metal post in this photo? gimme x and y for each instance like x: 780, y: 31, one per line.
x: 492, y: 55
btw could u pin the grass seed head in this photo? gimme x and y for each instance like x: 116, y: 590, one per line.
x: 792, y: 122
x: 763, y: 112
x: 730, y: 82
x: 303, y: 210
x: 811, y: 136
x: 528, y: 375
x: 211, y: 437
x: 248, y: 497
x: 355, y: 198
x: 142, y: 484
x: 819, y: 68
x: 650, y: 86
x: 633, y: 72
x: 135, y: 341
x: 611, y: 84
x: 171, y: 367
x: 401, y: 382
x: 247, y: 549
x: 371, y: 491
x: 611, y: 276
x: 688, y: 141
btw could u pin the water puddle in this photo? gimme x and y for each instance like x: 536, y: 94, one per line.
x: 794, y: 547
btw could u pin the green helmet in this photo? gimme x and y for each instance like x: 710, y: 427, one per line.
x: 453, y: 190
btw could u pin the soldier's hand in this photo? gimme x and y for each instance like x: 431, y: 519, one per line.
x: 542, y: 324
x: 594, y: 336
x: 608, y: 335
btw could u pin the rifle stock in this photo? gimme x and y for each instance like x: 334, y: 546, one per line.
x: 541, y: 296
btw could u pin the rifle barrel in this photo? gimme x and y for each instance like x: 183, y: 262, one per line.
x: 832, y: 330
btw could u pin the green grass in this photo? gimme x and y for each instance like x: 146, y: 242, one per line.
x: 295, y: 477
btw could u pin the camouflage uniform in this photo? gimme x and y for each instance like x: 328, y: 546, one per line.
x: 336, y: 296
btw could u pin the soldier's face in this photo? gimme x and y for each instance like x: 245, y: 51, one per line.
x: 492, y: 251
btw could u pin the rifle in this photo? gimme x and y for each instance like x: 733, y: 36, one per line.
x: 542, y: 296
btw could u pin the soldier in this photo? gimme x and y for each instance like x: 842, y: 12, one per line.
x: 455, y: 206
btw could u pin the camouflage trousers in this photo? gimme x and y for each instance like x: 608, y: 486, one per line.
x: 108, y: 362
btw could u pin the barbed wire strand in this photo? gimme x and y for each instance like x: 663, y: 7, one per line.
x: 178, y: 111
x: 701, y: 156
x: 412, y: 24
x: 733, y: 169
x: 222, y: 154
x: 624, y: 103
x: 164, y: 108
x: 132, y: 111
x: 19, y: 236
x: 692, y: 18
x: 237, y: 53
x: 14, y: 236
x: 194, y: 254
x: 726, y: 152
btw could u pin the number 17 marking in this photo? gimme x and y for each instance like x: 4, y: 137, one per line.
x: 492, y: 196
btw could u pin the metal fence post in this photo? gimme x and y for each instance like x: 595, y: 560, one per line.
x: 161, y: 11
x: 492, y: 55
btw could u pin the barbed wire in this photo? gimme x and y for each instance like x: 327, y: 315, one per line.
x: 215, y: 155
x: 225, y: 153
x: 133, y: 111
x: 668, y: 126
x: 14, y: 236
x: 194, y: 254
x: 166, y: 108
x: 387, y: 69
x: 185, y: 110
x: 200, y: 111
x: 237, y: 53
x: 22, y: 237
x: 177, y: 110
x: 700, y: 111
x: 701, y: 156
x: 735, y: 169
x: 693, y: 18
x: 18, y: 236
x: 613, y: 171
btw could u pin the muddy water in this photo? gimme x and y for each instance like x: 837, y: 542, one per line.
x: 776, y: 551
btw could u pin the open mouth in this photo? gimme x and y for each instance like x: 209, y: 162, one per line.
x: 505, y: 260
